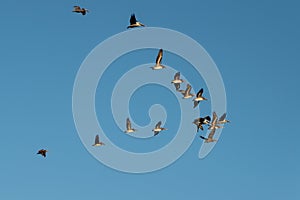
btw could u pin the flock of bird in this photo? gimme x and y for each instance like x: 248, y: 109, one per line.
x: 214, y: 124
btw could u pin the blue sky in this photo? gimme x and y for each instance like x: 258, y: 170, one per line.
x: 255, y: 45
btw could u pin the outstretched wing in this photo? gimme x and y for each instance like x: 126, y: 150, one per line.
x: 188, y: 88
x: 132, y: 19
x: 222, y: 117
x: 196, y: 103
x: 128, y: 124
x: 204, y: 138
x: 215, y: 118
x: 158, y: 124
x: 211, y: 134
x: 177, y: 76
x: 199, y: 94
x: 159, y: 56
x: 97, y: 140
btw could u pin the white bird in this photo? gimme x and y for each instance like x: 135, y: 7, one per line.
x: 158, y: 64
x: 199, y: 98
x: 187, y: 93
x: 157, y: 128
x: 177, y: 81
x: 134, y: 23
x: 129, y: 129
x: 97, y: 141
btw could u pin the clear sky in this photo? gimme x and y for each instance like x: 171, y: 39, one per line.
x: 255, y: 45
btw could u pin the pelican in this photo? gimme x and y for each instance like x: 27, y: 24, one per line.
x: 199, y: 98
x: 97, y: 141
x: 77, y: 9
x: 42, y: 152
x: 222, y: 119
x: 187, y: 93
x: 128, y: 127
x: 213, y: 124
x: 157, y: 128
x: 200, y: 121
x: 134, y: 23
x: 177, y: 81
x: 210, y: 137
x: 158, y: 64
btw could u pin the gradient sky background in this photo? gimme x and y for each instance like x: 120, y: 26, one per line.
x: 255, y: 45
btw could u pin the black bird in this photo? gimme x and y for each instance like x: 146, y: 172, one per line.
x: 200, y: 121
x: 42, y: 152
x: 134, y: 23
x: 77, y: 9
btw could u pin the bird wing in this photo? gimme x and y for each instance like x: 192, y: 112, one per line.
x: 97, y: 140
x: 211, y: 134
x: 182, y: 91
x: 215, y: 118
x: 177, y: 86
x: 158, y: 124
x: 199, y: 94
x: 159, y: 56
x: 222, y: 117
x: 207, y: 118
x: 204, y: 138
x: 177, y: 76
x: 196, y: 121
x: 196, y: 103
x: 188, y: 88
x: 132, y: 19
x: 128, y: 124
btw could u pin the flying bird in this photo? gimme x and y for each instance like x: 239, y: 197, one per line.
x: 77, y: 9
x: 201, y: 121
x: 213, y: 124
x: 134, y: 23
x: 42, y: 152
x: 129, y: 129
x: 177, y: 81
x: 97, y: 141
x: 223, y: 120
x: 187, y: 92
x: 199, y: 98
x: 210, y: 137
x: 157, y: 128
x: 158, y: 64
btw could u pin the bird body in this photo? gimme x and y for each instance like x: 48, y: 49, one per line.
x: 199, y: 98
x: 177, y: 81
x: 199, y: 122
x: 42, y: 152
x: 158, y: 128
x: 77, y: 9
x: 97, y: 141
x: 210, y: 137
x: 222, y: 119
x: 129, y: 129
x: 134, y: 23
x: 214, y: 122
x: 186, y: 93
x: 158, y: 64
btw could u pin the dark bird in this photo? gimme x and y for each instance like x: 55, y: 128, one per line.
x: 200, y: 121
x: 223, y: 120
x: 158, y: 64
x: 210, y: 137
x: 129, y: 129
x: 199, y: 98
x: 187, y: 92
x: 77, y: 9
x: 42, y: 152
x: 157, y: 128
x: 213, y: 124
x: 97, y: 141
x: 177, y: 81
x: 134, y: 23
